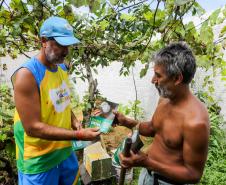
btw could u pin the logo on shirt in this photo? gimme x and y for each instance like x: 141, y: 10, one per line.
x: 60, y: 97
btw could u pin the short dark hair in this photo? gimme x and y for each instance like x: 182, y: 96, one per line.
x: 177, y: 58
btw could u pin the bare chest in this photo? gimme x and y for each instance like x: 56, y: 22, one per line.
x: 168, y: 125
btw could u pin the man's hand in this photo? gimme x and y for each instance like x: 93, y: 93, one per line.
x: 138, y: 159
x: 87, y: 134
x: 96, y: 112
x: 122, y: 120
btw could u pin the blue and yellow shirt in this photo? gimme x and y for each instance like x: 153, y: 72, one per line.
x: 35, y: 155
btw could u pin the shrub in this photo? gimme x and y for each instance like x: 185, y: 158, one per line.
x: 215, y: 169
x: 8, y: 173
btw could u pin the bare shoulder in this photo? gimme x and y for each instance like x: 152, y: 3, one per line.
x: 197, y: 118
x: 198, y: 109
x: 23, y: 74
x: 25, y: 87
x: 24, y: 79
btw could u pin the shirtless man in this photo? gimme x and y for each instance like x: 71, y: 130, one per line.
x: 180, y: 124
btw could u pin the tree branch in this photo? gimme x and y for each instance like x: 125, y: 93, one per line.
x: 130, y: 6
x: 1, y: 4
x: 198, y: 24
x: 136, y: 98
x: 180, y: 16
x: 174, y: 22
x: 49, y: 9
x: 18, y: 47
x: 152, y: 31
x: 8, y: 7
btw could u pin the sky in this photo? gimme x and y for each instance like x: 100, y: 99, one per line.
x: 210, y: 5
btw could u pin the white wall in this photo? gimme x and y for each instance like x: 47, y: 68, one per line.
x: 12, y: 65
x: 120, y: 89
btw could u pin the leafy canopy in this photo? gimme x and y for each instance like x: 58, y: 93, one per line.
x: 114, y: 30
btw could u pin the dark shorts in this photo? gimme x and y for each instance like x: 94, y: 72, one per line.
x: 152, y: 178
x: 66, y: 173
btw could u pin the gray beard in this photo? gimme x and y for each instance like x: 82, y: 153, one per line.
x: 52, y: 58
x: 163, y: 92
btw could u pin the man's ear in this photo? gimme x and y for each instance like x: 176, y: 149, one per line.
x: 178, y: 79
x: 43, y: 41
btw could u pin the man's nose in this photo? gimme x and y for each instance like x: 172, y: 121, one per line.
x: 153, y: 80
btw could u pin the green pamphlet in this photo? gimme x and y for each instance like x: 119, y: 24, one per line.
x: 104, y: 118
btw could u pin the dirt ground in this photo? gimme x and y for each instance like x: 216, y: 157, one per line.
x: 115, y: 137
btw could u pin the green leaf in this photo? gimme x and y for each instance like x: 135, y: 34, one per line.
x: 203, y: 61
x: 224, y: 11
x: 223, y: 72
x: 223, y: 78
x: 211, y: 89
x: 190, y: 26
x: 199, y: 10
x: 94, y: 6
x: 113, y: 2
x: 127, y: 17
x: 194, y: 11
x: 78, y: 3
x: 3, y: 137
x: 215, y: 143
x: 181, y: 2
x: 104, y: 24
x: 213, y: 17
x: 148, y: 15
x: 206, y: 34
x: 143, y: 72
x: 10, y: 148
x: 95, y: 71
x: 223, y: 31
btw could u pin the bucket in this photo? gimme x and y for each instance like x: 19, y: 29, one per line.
x: 128, y: 176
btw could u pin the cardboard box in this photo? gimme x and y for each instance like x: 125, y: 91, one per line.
x: 97, y: 162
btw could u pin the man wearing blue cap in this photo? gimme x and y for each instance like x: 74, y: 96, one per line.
x: 43, y: 123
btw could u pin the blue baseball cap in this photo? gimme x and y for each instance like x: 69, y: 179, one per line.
x: 60, y: 30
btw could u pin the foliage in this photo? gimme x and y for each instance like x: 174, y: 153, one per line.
x: 215, y: 168
x: 132, y: 110
x: 136, y: 173
x: 7, y: 145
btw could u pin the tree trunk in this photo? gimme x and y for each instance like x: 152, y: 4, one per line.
x: 92, y: 85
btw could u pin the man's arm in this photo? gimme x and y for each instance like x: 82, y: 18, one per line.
x: 195, y: 149
x: 28, y: 106
x: 145, y: 128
